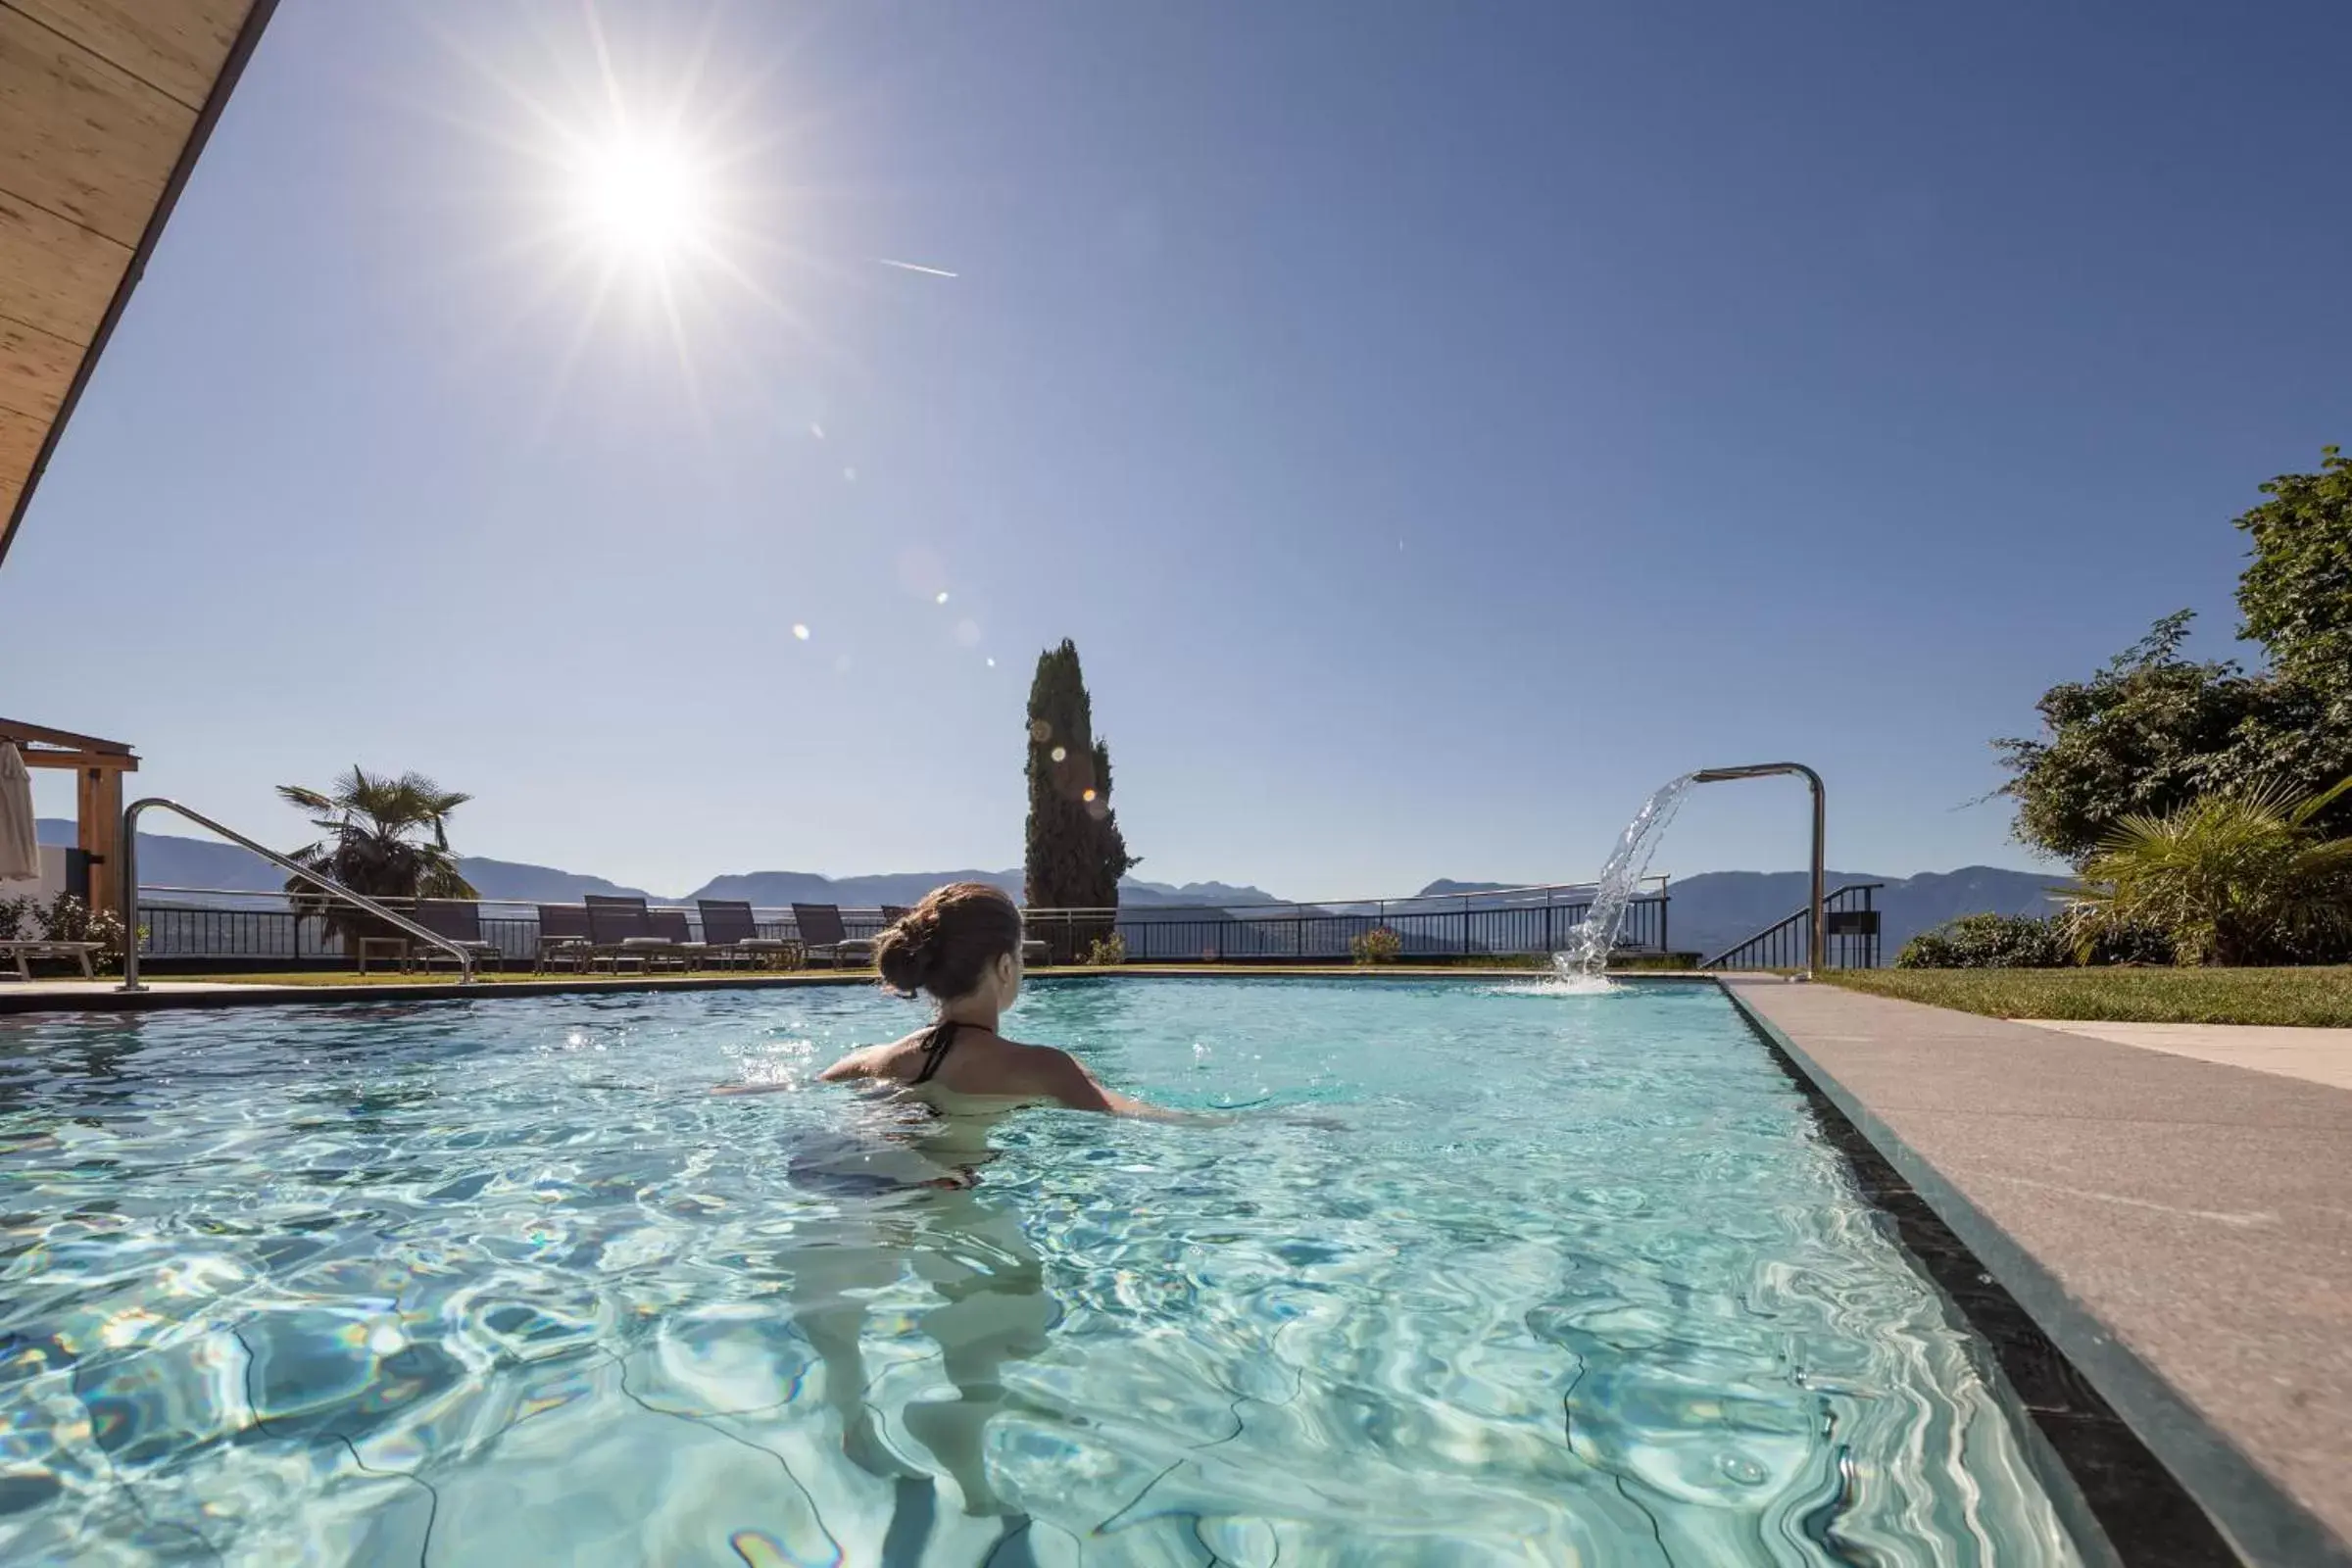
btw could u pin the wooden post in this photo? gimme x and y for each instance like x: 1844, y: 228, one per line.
x: 99, y: 818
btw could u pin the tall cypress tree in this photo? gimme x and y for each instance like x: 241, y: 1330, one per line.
x: 1075, y: 852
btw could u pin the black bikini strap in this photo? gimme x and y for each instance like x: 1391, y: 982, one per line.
x: 935, y: 1049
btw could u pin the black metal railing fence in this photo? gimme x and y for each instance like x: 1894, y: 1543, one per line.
x: 1849, y: 935
x: 216, y: 926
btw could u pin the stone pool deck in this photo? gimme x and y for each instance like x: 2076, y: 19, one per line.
x: 2181, y: 1228
x: 2321, y: 1056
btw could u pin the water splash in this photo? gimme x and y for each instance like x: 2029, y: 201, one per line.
x: 1587, y: 953
x: 1558, y: 985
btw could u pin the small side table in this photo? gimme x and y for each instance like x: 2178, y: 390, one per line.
x: 388, y: 947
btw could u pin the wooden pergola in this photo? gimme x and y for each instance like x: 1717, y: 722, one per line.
x: 98, y: 769
x: 104, y: 106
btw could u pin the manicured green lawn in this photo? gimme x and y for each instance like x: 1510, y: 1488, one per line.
x: 2319, y: 997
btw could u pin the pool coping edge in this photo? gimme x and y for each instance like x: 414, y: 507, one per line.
x: 2255, y: 1515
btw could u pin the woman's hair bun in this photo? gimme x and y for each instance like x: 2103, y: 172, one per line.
x: 907, y: 950
x: 945, y: 943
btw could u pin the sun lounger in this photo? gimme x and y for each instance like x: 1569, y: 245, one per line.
x: 821, y: 931
x: 621, y: 930
x: 24, y: 952
x: 670, y: 926
x: 733, y: 935
x: 458, y: 920
x: 564, y: 937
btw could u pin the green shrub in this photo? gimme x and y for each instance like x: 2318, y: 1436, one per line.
x: 1380, y: 945
x: 2229, y: 878
x: 1106, y: 953
x: 2025, y: 942
x: 1990, y: 942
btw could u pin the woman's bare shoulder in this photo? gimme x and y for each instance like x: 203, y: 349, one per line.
x: 871, y: 1063
x: 1040, y: 1059
x: 1055, y: 1074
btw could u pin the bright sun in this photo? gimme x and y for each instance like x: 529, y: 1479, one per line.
x: 646, y: 197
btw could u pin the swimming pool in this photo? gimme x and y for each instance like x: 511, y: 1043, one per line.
x: 1482, y: 1275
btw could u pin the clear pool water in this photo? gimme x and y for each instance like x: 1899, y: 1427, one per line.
x: 1481, y: 1277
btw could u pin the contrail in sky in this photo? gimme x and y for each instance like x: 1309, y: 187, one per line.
x: 911, y: 266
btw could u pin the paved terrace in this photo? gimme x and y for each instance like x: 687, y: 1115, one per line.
x: 2181, y: 1228
x: 2322, y: 1055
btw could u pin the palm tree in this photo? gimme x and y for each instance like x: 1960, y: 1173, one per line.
x: 385, y: 837
x: 2229, y: 878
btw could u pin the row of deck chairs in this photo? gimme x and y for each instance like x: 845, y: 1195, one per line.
x: 613, y: 931
x: 616, y: 930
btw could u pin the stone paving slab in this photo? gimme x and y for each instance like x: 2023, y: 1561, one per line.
x: 2321, y: 1056
x: 2181, y: 1229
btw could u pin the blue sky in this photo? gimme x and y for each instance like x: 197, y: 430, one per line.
x: 1436, y: 425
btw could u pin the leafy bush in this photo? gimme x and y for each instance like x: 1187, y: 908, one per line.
x: 63, y: 918
x: 1108, y: 952
x: 2229, y: 878
x: 2120, y: 944
x: 2029, y: 942
x: 1990, y: 942
x: 1380, y: 945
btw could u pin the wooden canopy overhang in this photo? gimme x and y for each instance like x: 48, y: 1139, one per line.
x: 104, y: 106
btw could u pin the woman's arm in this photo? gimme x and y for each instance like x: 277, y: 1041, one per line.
x: 856, y: 1064
x: 1059, y: 1076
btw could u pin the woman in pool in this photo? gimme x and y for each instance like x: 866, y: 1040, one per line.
x: 962, y: 945
x: 960, y: 1077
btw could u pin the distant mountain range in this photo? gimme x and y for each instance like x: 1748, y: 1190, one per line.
x: 1710, y: 912
x: 166, y: 859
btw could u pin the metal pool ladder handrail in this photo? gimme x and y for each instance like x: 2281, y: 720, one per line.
x: 131, y: 888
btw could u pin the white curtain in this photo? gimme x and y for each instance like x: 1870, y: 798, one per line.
x: 19, y: 845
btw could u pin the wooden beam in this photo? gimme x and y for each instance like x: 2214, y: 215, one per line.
x: 98, y: 814
x: 15, y: 729
x: 105, y: 761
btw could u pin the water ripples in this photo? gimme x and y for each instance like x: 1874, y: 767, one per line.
x: 1573, y: 1280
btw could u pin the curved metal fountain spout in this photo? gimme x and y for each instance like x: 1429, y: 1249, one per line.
x: 1815, y: 953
